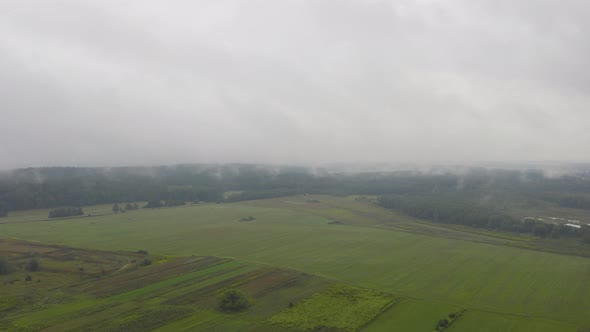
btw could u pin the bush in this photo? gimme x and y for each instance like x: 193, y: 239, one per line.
x: 442, y: 324
x: 153, y: 204
x: 146, y: 262
x: 66, y: 212
x: 28, y: 277
x: 142, y: 251
x: 233, y: 300
x: 5, y: 267
x: 32, y: 265
x: 130, y: 206
x: 175, y: 203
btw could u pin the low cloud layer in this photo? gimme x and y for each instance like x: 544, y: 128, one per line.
x: 115, y: 82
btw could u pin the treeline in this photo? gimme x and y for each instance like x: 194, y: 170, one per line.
x: 263, y: 194
x: 443, y: 209
x: 159, y: 204
x: 502, y: 189
x: 571, y: 200
x: 66, y: 212
x: 463, y: 210
x: 52, y: 187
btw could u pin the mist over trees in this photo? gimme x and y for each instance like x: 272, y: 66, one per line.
x: 464, y: 210
x: 54, y: 187
x: 475, y: 197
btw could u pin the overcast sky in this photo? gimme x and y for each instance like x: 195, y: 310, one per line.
x: 119, y: 82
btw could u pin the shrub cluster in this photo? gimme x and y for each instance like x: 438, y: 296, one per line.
x: 66, y: 212
x: 233, y: 300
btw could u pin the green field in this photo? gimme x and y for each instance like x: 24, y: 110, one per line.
x: 434, y: 270
x: 411, y: 315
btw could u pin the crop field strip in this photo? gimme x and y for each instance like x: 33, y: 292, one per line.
x: 205, y: 295
x: 136, y: 279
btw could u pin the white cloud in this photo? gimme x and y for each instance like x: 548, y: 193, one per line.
x: 133, y: 82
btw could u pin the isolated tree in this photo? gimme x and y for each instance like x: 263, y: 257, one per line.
x: 233, y: 300
x: 116, y: 208
x: 442, y: 324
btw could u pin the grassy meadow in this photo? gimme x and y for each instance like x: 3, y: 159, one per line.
x: 430, y: 270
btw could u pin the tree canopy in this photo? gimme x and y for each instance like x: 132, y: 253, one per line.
x: 233, y: 300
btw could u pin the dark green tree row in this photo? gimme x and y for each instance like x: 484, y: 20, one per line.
x: 501, y: 189
x: 447, y: 210
x: 463, y: 210
x: 66, y: 212
x: 158, y: 204
x: 571, y: 200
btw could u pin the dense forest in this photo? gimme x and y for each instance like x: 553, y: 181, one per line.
x: 464, y: 210
x: 475, y: 197
x: 53, y: 187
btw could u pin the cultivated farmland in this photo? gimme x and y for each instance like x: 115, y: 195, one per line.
x: 428, y: 275
x: 171, y: 294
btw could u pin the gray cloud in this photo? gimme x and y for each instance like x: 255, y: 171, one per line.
x: 142, y: 82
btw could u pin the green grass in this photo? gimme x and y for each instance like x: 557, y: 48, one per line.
x: 192, y: 322
x: 464, y: 271
x: 339, y: 306
x: 492, y: 322
x: 411, y: 315
x: 145, y: 320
